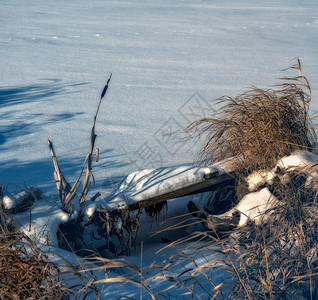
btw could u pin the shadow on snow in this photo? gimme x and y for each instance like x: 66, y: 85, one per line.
x: 15, y: 175
x: 31, y: 121
x: 21, y: 94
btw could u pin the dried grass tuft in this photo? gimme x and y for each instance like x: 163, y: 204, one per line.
x: 24, y: 271
x: 278, y: 259
x: 261, y: 125
x: 27, y: 273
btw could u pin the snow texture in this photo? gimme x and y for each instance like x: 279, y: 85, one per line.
x: 10, y: 202
x: 145, y: 184
x: 301, y: 161
x: 41, y: 222
x: 253, y: 207
x: 169, y: 59
x: 298, y: 159
x: 258, y: 178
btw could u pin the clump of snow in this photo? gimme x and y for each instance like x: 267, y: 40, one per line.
x: 303, y: 161
x: 296, y: 160
x: 41, y: 222
x: 145, y: 184
x: 258, y: 178
x: 253, y: 206
x: 12, y: 201
x: 90, y: 210
x: 300, y: 160
x: 226, y: 166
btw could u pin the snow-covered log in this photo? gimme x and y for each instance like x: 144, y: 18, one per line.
x: 119, y: 218
x: 149, y: 187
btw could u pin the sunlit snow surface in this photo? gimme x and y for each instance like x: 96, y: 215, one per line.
x: 169, y: 60
x: 55, y: 58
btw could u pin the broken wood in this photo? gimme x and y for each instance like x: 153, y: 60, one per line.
x: 219, y: 226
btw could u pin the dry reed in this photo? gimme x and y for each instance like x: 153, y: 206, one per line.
x: 278, y: 259
x: 24, y: 272
x: 260, y: 126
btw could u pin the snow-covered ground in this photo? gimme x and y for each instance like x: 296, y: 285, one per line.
x: 170, y: 59
x: 167, y: 58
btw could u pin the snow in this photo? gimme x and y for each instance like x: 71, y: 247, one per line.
x: 89, y: 210
x: 145, y: 184
x: 258, y: 178
x: 50, y: 86
x: 13, y: 200
x: 298, y: 159
x: 41, y: 222
x: 169, y: 60
x: 176, y: 269
x: 253, y: 206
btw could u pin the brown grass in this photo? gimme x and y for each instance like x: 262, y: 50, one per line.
x: 27, y: 273
x: 260, y: 125
x: 24, y: 272
x: 277, y: 260
x: 131, y: 274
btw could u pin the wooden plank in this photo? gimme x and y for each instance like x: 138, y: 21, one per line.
x: 211, y: 182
